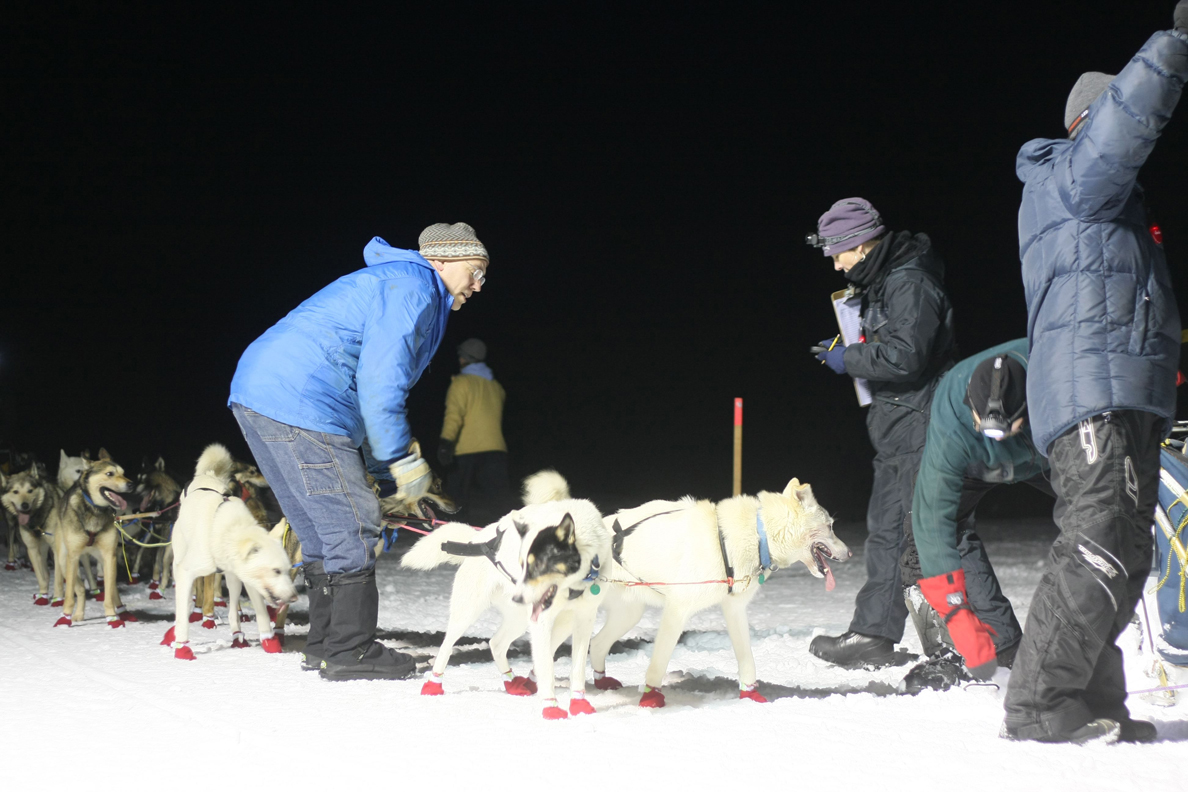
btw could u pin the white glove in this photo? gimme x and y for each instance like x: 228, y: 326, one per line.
x: 412, y: 476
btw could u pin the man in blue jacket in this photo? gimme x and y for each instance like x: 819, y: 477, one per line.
x: 335, y: 372
x: 1105, y: 342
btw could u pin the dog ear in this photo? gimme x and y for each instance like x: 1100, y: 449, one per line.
x: 63, y: 460
x: 521, y: 528
x: 104, y: 455
x: 802, y: 492
x: 160, y: 465
x: 565, y: 530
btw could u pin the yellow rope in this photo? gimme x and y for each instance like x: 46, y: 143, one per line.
x: 134, y: 540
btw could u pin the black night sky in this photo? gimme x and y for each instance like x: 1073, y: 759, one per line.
x: 174, y: 180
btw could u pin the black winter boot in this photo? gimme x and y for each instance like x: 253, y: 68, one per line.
x: 940, y: 672
x: 351, y: 651
x: 316, y: 582
x: 1137, y: 731
x: 1101, y: 730
x: 854, y: 650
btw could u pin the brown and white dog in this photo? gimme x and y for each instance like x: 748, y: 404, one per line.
x: 30, y: 500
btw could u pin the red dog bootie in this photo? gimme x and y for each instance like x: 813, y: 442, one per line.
x: 604, y: 682
x: 238, y: 641
x: 553, y: 712
x: 246, y: 617
x: 63, y: 621
x: 651, y: 698
x: 154, y: 585
x: 156, y: 595
x: 751, y: 692
x: 220, y: 602
x: 182, y: 651
x: 208, y: 622
x: 56, y: 602
x: 433, y: 686
x: 115, y: 622
x: 195, y: 615
x: 271, y: 644
x: 135, y: 579
x: 518, y: 685
x: 41, y: 599
x: 125, y: 615
x: 169, y: 638
x: 579, y: 706
x: 10, y: 566
x: 100, y: 595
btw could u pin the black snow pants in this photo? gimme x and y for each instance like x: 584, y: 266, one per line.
x: 897, y: 433
x: 981, y: 584
x: 1068, y: 672
x: 479, y: 484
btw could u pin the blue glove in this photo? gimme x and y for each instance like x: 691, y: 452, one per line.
x: 386, y: 487
x: 833, y: 357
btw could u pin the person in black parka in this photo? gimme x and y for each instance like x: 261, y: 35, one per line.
x: 908, y: 343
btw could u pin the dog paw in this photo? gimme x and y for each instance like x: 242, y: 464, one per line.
x: 238, y: 641
x: 168, y: 639
x: 154, y: 585
x: 554, y: 713
x: 520, y: 686
x: 753, y: 695
x: 431, y: 688
x: 208, y: 623
x: 115, y: 622
x: 183, y: 652
x: 271, y: 644
x: 579, y: 706
x: 134, y: 580
x: 63, y: 621
x: 156, y: 595
x: 10, y: 567
x: 41, y: 599
x: 196, y: 616
x: 246, y: 617
x: 607, y: 683
x: 56, y: 602
x: 100, y: 596
x: 652, y: 699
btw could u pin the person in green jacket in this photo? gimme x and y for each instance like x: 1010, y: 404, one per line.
x: 978, y: 438
x: 472, y: 438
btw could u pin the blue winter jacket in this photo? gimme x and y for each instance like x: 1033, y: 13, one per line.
x: 1102, y: 319
x: 344, y: 360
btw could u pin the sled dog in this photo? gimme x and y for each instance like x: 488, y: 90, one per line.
x: 535, y: 566
x: 30, y: 500
x: 422, y: 506
x: 215, y: 530
x: 83, y: 524
x: 735, y: 541
x: 71, y: 468
x: 155, y: 490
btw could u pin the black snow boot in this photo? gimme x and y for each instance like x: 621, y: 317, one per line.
x: 351, y: 651
x: 939, y: 672
x: 1101, y: 730
x: 1137, y: 731
x: 854, y: 650
x: 316, y: 586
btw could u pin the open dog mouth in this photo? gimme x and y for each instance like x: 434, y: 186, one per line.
x: 23, y: 517
x: 113, y: 497
x: 543, y: 604
x: 820, y: 553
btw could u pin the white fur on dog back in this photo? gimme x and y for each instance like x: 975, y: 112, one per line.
x: 427, y: 552
x: 215, y: 461
x: 544, y: 487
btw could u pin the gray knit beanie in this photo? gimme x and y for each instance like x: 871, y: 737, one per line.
x: 472, y: 350
x: 1089, y: 86
x: 456, y: 241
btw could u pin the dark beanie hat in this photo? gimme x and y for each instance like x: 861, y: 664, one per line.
x: 472, y: 350
x: 1089, y: 86
x: 847, y: 224
x: 1014, y: 385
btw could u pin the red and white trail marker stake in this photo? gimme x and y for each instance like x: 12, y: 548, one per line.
x: 738, y: 446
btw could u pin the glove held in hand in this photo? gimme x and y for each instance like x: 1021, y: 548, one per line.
x: 412, y: 476
x: 946, y: 594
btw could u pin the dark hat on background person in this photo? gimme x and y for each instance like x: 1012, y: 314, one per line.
x: 1013, y: 387
x: 472, y: 350
x: 451, y: 241
x: 847, y: 224
x: 1088, y: 87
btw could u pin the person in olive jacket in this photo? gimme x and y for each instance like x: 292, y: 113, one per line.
x: 908, y: 343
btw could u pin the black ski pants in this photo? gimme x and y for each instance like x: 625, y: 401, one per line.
x: 479, y: 484
x: 1068, y: 672
x: 981, y: 584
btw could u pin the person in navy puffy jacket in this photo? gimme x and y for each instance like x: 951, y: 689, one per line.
x: 332, y: 374
x: 1104, y: 337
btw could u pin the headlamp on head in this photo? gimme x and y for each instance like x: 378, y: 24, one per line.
x: 995, y: 423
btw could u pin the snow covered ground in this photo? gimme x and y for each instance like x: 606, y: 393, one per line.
x: 112, y: 709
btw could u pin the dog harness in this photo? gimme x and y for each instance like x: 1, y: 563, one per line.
x: 487, y: 549
x: 765, y: 564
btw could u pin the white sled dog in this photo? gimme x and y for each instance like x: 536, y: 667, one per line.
x: 536, y: 566
x: 688, y: 541
x: 216, y: 531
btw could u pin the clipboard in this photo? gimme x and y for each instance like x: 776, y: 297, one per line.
x: 847, y: 307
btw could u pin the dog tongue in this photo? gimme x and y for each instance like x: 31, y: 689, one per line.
x: 144, y: 503
x: 117, y: 500
x: 536, y: 610
x: 23, y: 519
x: 829, y: 581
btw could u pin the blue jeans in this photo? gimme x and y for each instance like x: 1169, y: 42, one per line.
x: 320, y: 481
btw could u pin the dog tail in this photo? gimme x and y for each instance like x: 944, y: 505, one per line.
x: 544, y: 487
x: 215, y: 461
x: 427, y: 552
